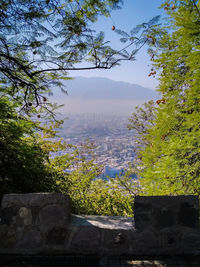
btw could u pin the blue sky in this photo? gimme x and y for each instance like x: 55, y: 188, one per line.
x: 133, y: 12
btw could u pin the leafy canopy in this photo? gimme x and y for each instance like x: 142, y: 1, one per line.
x: 40, y: 40
x: 23, y: 162
x: 170, y: 160
x: 27, y: 165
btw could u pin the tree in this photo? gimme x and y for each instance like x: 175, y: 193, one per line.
x: 90, y: 194
x: 40, y: 41
x: 140, y: 120
x: 23, y: 162
x: 171, y: 158
x: 27, y: 165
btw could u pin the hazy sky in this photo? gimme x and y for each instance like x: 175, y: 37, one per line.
x: 133, y: 12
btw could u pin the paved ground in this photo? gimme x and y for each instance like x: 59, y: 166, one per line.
x: 94, y: 262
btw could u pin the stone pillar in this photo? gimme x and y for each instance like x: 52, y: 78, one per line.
x: 29, y: 222
x: 159, y: 212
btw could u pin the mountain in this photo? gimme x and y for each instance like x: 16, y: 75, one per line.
x: 101, y: 96
x: 103, y: 88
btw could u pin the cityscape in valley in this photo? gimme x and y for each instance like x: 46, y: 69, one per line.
x: 97, y: 110
x: 114, y: 144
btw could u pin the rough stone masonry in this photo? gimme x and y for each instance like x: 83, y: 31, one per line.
x: 42, y: 224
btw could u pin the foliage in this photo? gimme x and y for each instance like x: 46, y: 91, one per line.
x: 23, y: 162
x: 28, y: 164
x: 90, y: 194
x: 139, y: 123
x: 41, y: 40
x: 140, y: 120
x: 171, y: 157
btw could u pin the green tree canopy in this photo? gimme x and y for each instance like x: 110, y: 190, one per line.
x: 23, y: 162
x: 40, y: 40
x: 171, y: 157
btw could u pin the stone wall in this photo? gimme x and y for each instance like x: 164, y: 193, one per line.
x: 41, y: 224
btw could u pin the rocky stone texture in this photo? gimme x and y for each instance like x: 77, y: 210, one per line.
x: 29, y: 221
x: 40, y: 224
x: 166, y: 211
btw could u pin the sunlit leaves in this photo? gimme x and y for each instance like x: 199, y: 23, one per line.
x: 23, y: 165
x: 43, y: 37
x: 170, y: 159
x: 89, y: 194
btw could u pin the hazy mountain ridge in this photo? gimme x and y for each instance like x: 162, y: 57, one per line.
x: 101, y: 96
x: 103, y: 88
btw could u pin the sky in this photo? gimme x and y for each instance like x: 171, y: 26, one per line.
x: 133, y: 12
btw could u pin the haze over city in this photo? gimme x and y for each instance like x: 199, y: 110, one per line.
x: 97, y: 109
x: 102, y: 96
x: 98, y: 103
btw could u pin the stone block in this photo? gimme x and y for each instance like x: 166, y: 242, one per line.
x: 144, y: 240
x: 34, y: 199
x: 56, y: 236
x: 53, y: 215
x: 166, y: 211
x: 8, y: 237
x: 30, y: 239
x: 88, y: 237
x: 16, y: 217
x: 44, y: 209
x: 26, y: 215
x: 116, y: 241
x: 8, y: 216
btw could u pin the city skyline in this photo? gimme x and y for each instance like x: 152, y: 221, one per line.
x: 114, y: 145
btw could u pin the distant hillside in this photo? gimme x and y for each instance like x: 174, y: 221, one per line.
x: 103, y: 88
x: 102, y: 96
